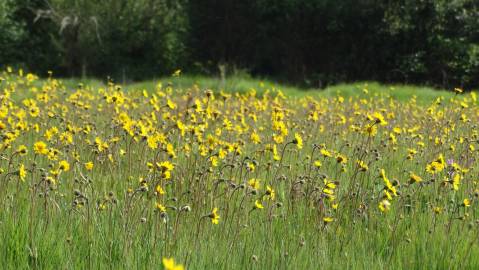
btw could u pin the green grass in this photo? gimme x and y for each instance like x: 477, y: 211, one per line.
x: 244, y: 84
x: 42, y: 228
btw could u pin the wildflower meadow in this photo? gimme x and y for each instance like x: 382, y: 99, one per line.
x: 187, y: 177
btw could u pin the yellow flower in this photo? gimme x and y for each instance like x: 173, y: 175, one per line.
x: 414, y: 178
x: 378, y: 118
x: 254, y: 183
x: 170, y: 264
x: 89, y: 166
x: 466, y: 203
x: 160, y: 190
x: 362, y: 165
x: 160, y: 207
x: 341, y: 159
x: 456, y: 180
x: 270, y: 192
x: 255, y: 138
x: 64, y: 165
x: 22, y: 150
x: 165, y: 166
x: 40, y: 148
x: 325, y: 153
x: 328, y: 219
x: 258, y: 205
x: 215, y: 218
x: 298, y: 141
x: 384, y: 205
x: 22, y: 172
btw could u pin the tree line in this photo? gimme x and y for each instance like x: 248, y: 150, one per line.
x: 310, y: 42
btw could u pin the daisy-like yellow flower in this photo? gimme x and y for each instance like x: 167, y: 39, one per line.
x: 89, y: 166
x: 22, y: 150
x: 384, y: 205
x: 22, y: 172
x: 40, y: 148
x: 466, y: 202
x: 298, y: 141
x: 325, y: 153
x: 270, y: 192
x: 328, y: 220
x: 254, y: 183
x: 362, y: 165
x: 64, y: 166
x: 414, y: 178
x: 214, y: 216
x: 165, y: 166
x: 169, y: 264
x: 341, y: 159
x: 161, y: 208
x: 159, y: 190
x: 456, y: 181
x: 258, y: 205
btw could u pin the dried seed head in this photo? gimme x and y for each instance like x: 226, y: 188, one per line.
x: 185, y: 208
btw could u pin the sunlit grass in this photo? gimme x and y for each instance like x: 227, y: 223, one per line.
x: 236, y: 175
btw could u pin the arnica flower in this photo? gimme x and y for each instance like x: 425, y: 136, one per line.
x: 159, y: 190
x: 298, y: 141
x: 371, y: 130
x: 466, y: 203
x: 170, y: 264
x: 258, y: 205
x: 270, y: 192
x: 325, y: 153
x: 89, y: 166
x: 40, y: 148
x: 255, y: 138
x: 165, y: 166
x: 378, y: 118
x: 456, y: 181
x: 22, y: 150
x: 414, y: 178
x: 328, y: 220
x: 161, y: 208
x: 362, y: 165
x: 22, y: 172
x: 384, y: 205
x: 341, y: 159
x: 215, y: 218
x: 64, y: 165
x: 254, y: 183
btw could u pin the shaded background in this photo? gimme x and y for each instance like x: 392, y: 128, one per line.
x: 307, y: 42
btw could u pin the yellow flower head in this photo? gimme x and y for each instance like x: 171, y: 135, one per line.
x: 298, y: 141
x: 64, y: 165
x: 89, y: 166
x: 254, y: 183
x: 215, y: 218
x: 258, y: 205
x: 40, y: 148
x: 169, y: 264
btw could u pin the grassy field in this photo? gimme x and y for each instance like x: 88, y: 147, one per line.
x: 243, y: 84
x: 358, y: 176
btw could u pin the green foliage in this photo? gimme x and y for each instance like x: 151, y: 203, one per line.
x: 11, y: 32
x: 309, y: 42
